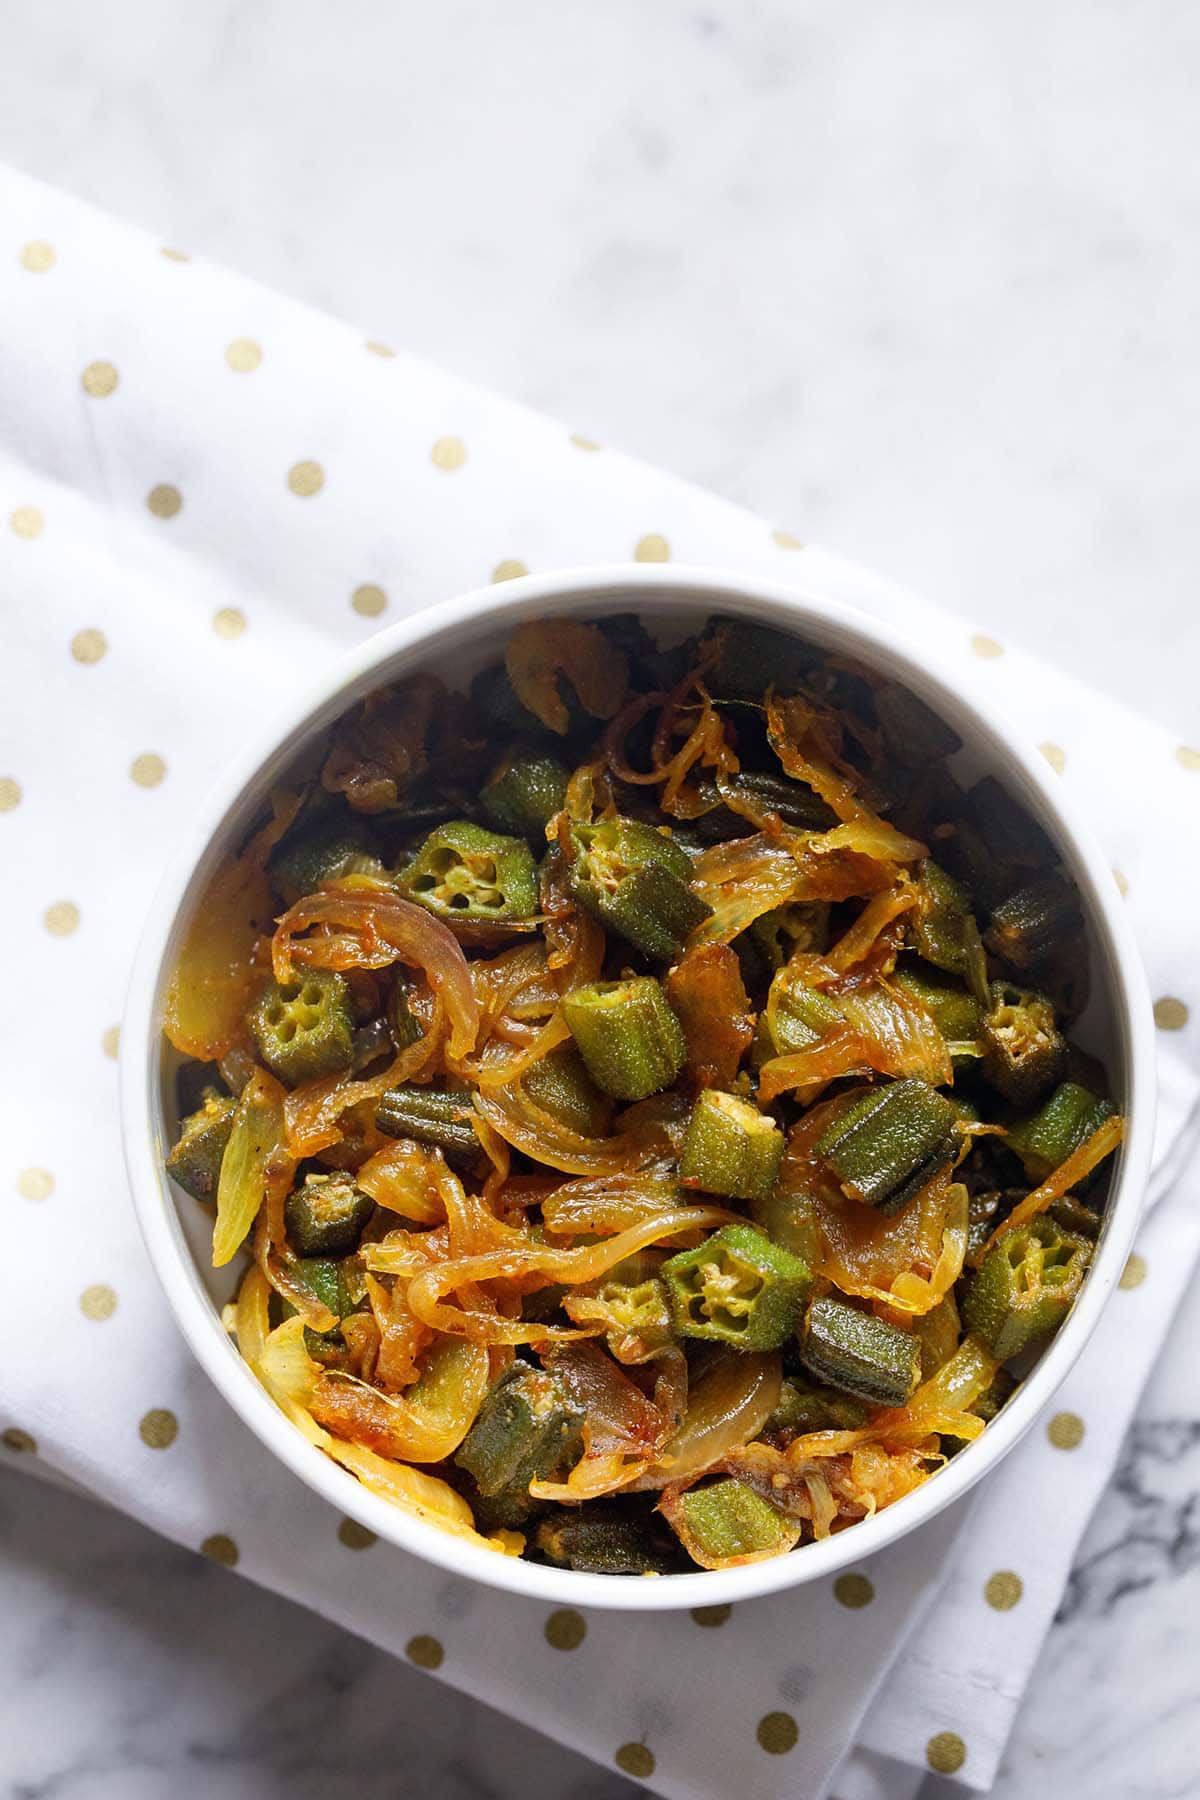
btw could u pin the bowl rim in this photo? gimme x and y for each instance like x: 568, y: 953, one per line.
x: 422, y: 635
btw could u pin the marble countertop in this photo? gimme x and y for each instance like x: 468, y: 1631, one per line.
x: 918, y: 282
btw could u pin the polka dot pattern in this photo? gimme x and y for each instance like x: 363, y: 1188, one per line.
x: 35, y: 1184
x: 448, y: 454
x: 1003, y: 1590
x: 110, y: 1043
x: 945, y: 1753
x: 99, y: 380
x: 426, y: 1652
x: 653, y: 548
x: 220, y: 1548
x: 853, y: 1591
x: 509, y: 570
x: 1134, y: 1272
x: 10, y: 793
x: 565, y: 1629
x: 1170, y: 1014
x: 986, y: 647
x: 1055, y: 755
x: 378, y: 349
x: 38, y: 256
x: 22, y: 1443
x: 98, y: 1303
x: 1187, y: 758
x: 368, y: 600
x: 787, y: 540
x: 306, y: 479
x: 583, y: 443
x: 158, y: 1428
x: 164, y: 501
x: 355, y: 1536
x: 777, y: 1733
x: 62, y: 918
x: 1065, y: 1431
x: 147, y: 770
x: 229, y: 622
x: 635, y: 1760
x: 89, y: 646
x: 711, y: 1616
x: 178, y: 256
x: 243, y: 355
x: 27, y: 521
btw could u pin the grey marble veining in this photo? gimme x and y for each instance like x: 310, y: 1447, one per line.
x: 917, y: 281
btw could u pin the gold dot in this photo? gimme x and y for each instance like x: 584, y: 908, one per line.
x: 98, y: 1302
x: 565, y: 1629
x: 16, y: 1439
x: 987, y: 647
x: 306, y: 478
x: 1065, y: 1431
x: 652, y: 548
x: 99, y: 380
x: 853, y: 1591
x: 1187, y: 758
x: 368, y: 600
x: 158, y: 1428
x: 1003, y: 1590
x: 110, y: 1043
x: 787, y: 540
x: 221, y: 1549
x: 378, y: 349
x: 355, y: 1536
x: 449, y: 453
x: 88, y: 646
x: 37, y: 257
x: 425, y: 1651
x: 35, y: 1184
x: 243, y: 355
x: 711, y: 1616
x: 1055, y: 755
x: 62, y: 918
x: 1134, y: 1272
x: 164, y: 501
x: 174, y: 255
x: 148, y: 769
x: 777, y: 1733
x: 509, y: 570
x: 229, y: 622
x: 27, y: 521
x: 10, y: 793
x: 1170, y: 1014
x: 1122, y: 883
x: 583, y: 443
x: 635, y: 1760
x: 945, y: 1752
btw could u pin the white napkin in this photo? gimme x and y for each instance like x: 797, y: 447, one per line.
x: 204, y: 490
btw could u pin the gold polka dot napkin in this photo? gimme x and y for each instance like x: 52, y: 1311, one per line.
x: 206, y: 492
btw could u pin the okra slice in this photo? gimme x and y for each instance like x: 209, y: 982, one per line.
x: 305, y: 1028
x: 796, y: 1014
x: 804, y: 1407
x: 598, y: 1540
x: 631, y: 1042
x: 728, y: 1522
x: 766, y: 791
x: 326, y: 848
x: 635, y: 1316
x: 470, y: 876
x: 195, y: 1160
x: 561, y: 1086
x: 889, y: 1143
x: 1047, y: 1138
x: 635, y: 881
x: 730, y: 1148
x: 912, y: 731
x: 524, y: 792
x: 753, y: 658
x: 1031, y: 927
x: 1009, y: 831
x: 737, y: 1288
x: 800, y: 925
x: 434, y: 1117
x: 326, y: 1214
x: 1025, y: 1287
x: 1024, y: 1051
x: 865, y: 1356
x: 941, y: 924
x: 526, y: 1430
x: 954, y: 1009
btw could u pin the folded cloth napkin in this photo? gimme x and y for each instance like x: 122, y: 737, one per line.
x: 204, y: 491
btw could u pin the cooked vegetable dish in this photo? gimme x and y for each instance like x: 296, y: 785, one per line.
x: 644, y: 1088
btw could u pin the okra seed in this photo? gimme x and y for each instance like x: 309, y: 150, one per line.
x: 945, y: 1752
x: 425, y: 1652
x: 777, y: 1733
x: 635, y: 1760
x: 565, y: 1629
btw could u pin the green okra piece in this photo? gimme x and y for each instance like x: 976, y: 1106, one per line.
x: 790, y: 1221
x: 561, y: 1086
x: 797, y: 1015
x: 796, y: 804
x: 470, y: 876
x: 865, y: 1356
x: 403, y: 1024
x: 912, y: 731
x: 941, y: 924
x: 635, y: 1315
x: 754, y: 658
x: 730, y: 1148
x: 631, y: 1042
x: 955, y: 1011
x: 304, y: 1028
x: 329, y: 1279
x: 727, y: 1520
x: 1074, y: 1215
x: 890, y: 1142
x: 800, y: 925
x: 195, y: 1160
x: 1025, y: 1286
x: 523, y: 793
x: 969, y: 857
x: 985, y: 1210
x: 326, y: 1215
x: 635, y: 881
x: 1046, y: 1139
x: 1024, y: 1051
x: 737, y: 1288
x: 326, y: 848
x: 803, y: 1406
x: 1030, y: 929
x: 526, y: 1430
x: 597, y: 1540
x: 1012, y: 834
x: 434, y: 1117
x: 494, y: 701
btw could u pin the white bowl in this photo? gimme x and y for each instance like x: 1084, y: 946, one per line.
x: 455, y: 639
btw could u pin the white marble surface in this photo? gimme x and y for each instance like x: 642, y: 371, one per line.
x: 917, y: 281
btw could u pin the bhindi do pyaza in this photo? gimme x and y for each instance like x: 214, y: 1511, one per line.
x: 643, y: 1087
